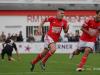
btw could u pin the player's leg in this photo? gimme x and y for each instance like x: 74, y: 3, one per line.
x: 44, y: 52
x: 9, y: 54
x: 89, y: 46
x: 83, y: 59
x: 52, y: 50
x: 38, y: 58
x: 49, y: 43
x: 3, y: 53
x: 78, y: 50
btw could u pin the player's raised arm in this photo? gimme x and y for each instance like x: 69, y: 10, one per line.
x: 42, y: 23
x: 40, y: 27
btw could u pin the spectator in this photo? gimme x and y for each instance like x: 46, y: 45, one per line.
x: 42, y: 38
x: 20, y: 37
x: 71, y: 37
x: 65, y: 38
x: 9, y: 35
x: 37, y: 37
x: 77, y: 35
x: 2, y: 37
x: 30, y: 38
x: 14, y: 37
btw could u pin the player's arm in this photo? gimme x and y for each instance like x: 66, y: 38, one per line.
x: 3, y: 45
x: 66, y: 27
x: 15, y: 47
x: 85, y: 30
x: 85, y: 27
x: 99, y: 31
x: 42, y: 23
x: 40, y: 27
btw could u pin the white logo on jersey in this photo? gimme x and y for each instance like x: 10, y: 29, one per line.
x: 56, y: 29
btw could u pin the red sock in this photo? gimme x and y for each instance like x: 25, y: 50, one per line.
x: 83, y: 61
x: 46, y: 57
x: 39, y: 57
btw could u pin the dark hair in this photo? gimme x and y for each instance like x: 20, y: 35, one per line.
x: 97, y: 11
x: 62, y: 9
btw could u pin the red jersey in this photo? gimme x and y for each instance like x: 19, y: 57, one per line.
x: 55, y: 28
x: 90, y: 25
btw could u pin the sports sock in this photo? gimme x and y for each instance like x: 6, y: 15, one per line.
x: 38, y: 58
x: 48, y: 55
x: 82, y: 62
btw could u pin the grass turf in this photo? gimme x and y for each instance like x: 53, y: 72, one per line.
x: 58, y: 64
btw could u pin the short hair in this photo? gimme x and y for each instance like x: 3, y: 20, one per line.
x: 97, y: 11
x: 62, y: 9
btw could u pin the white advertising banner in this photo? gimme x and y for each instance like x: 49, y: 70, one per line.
x: 53, y: 1
x: 38, y: 47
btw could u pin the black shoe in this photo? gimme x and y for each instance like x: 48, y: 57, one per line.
x: 32, y: 68
x: 42, y: 66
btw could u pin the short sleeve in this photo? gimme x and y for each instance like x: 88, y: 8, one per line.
x: 50, y: 19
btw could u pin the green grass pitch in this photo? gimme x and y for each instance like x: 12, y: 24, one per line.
x: 58, y: 64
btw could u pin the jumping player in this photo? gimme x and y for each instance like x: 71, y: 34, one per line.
x: 57, y: 23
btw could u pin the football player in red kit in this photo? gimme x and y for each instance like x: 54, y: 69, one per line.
x: 57, y: 23
x: 91, y: 29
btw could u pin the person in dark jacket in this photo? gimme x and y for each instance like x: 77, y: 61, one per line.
x: 8, y: 47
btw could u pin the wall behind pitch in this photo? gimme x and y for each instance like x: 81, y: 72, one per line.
x: 14, y: 21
